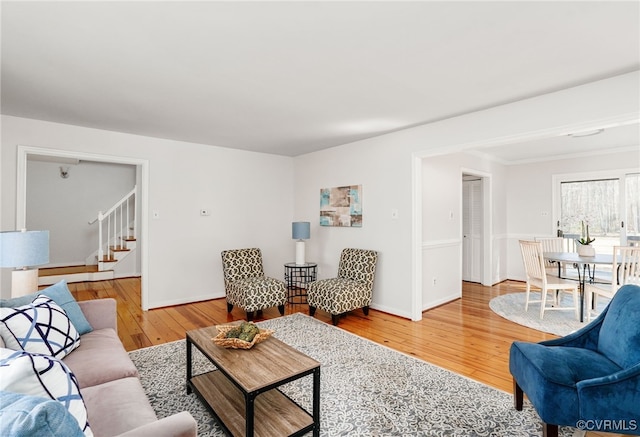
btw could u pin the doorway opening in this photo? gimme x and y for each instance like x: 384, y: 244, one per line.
x: 477, y: 219
x: 472, y: 238
x: 142, y: 171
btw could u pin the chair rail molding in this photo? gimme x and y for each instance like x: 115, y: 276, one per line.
x: 436, y: 244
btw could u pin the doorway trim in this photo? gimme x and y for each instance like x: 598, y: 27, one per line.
x: 21, y: 197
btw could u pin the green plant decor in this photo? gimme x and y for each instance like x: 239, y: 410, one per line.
x: 585, y: 240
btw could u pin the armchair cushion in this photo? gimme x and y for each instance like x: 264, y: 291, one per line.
x: 339, y: 295
x: 252, y: 294
x: 548, y: 375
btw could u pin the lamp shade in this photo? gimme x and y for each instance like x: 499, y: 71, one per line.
x: 24, y: 248
x: 300, y: 230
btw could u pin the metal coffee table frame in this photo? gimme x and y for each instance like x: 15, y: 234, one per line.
x: 222, y: 377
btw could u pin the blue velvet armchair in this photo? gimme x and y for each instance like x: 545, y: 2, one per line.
x: 589, y: 379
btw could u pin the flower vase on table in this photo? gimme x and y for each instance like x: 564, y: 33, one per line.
x: 586, y: 250
x: 583, y: 245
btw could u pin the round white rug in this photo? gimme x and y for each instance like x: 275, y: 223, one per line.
x: 511, y: 307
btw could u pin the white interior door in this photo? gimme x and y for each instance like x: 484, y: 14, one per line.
x: 472, y: 230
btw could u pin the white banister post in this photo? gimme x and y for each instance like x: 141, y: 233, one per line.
x: 121, y: 227
x: 135, y: 212
x: 128, y: 217
x: 115, y: 224
x: 100, y: 251
x: 108, y: 234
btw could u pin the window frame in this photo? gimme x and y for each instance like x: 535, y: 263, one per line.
x: 619, y: 174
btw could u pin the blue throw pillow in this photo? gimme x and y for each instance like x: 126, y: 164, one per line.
x: 61, y: 295
x: 24, y: 415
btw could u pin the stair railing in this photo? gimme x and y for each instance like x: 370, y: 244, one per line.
x: 120, y: 222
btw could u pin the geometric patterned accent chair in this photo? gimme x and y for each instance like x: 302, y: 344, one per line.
x: 589, y: 379
x: 246, y: 285
x: 352, y: 288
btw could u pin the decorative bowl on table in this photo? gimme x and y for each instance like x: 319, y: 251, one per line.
x: 227, y: 336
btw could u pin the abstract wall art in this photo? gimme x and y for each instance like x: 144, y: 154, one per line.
x: 341, y: 206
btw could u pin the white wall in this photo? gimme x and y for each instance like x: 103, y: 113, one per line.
x: 385, y: 166
x: 65, y: 206
x: 366, y: 163
x: 250, y: 196
x: 442, y: 218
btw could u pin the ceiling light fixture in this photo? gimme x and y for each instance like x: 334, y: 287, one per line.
x: 587, y: 133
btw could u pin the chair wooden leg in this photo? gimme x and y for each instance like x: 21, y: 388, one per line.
x: 281, y: 309
x: 543, y: 304
x: 335, y: 318
x: 249, y: 316
x: 518, y: 395
x: 229, y: 307
x: 549, y: 430
x: 312, y: 310
x: 365, y: 310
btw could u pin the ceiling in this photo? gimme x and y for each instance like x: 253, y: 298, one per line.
x: 290, y: 78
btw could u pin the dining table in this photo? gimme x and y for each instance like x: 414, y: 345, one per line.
x: 582, y: 262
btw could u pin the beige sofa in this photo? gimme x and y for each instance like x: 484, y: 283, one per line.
x: 115, y: 400
x: 113, y: 395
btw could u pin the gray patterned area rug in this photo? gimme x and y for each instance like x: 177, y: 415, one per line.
x: 511, y: 307
x: 366, y: 389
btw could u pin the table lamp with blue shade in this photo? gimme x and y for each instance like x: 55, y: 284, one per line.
x: 24, y: 250
x: 300, y: 231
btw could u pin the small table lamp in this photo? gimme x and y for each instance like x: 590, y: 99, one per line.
x: 24, y: 249
x: 300, y: 231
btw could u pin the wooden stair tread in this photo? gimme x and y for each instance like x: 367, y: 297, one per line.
x: 119, y: 249
x: 70, y: 270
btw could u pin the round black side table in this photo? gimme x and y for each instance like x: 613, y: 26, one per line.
x: 297, y: 276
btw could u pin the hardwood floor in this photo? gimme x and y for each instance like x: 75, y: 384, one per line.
x: 464, y: 336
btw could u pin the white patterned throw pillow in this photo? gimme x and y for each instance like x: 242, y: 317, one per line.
x: 45, y: 376
x: 40, y: 327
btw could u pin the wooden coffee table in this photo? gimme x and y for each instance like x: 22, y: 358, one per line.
x: 243, y: 393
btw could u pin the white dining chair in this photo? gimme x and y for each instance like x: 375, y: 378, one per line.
x: 625, y: 270
x: 553, y: 244
x: 537, y: 276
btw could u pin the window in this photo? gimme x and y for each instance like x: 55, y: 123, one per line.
x: 609, y: 206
